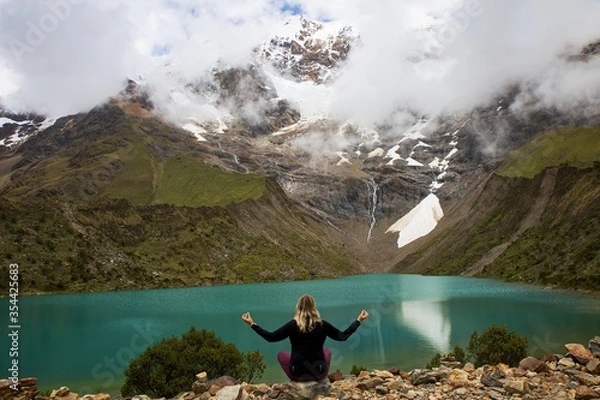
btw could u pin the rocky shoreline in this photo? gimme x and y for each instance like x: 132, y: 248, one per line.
x: 571, y: 376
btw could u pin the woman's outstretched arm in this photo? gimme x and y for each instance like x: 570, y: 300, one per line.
x: 274, y: 336
x: 335, y: 334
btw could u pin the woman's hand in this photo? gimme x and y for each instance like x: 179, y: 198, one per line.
x: 362, y: 316
x: 247, y: 318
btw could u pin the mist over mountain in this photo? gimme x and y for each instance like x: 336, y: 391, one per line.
x: 430, y: 56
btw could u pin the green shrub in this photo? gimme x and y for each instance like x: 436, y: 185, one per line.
x: 457, y: 354
x: 495, y: 345
x: 356, y: 369
x: 435, y: 361
x: 254, y: 367
x: 169, y: 367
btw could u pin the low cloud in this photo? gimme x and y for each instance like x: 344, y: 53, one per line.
x: 65, y: 56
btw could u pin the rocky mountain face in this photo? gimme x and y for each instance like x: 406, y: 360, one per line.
x: 16, y: 128
x: 353, y: 183
x: 309, y: 51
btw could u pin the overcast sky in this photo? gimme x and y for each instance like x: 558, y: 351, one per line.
x: 65, y: 56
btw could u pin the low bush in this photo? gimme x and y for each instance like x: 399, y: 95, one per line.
x: 169, y: 367
x: 495, y: 345
x: 457, y: 354
x: 356, y: 369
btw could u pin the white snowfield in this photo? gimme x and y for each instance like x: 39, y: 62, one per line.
x: 18, y: 137
x: 419, y: 222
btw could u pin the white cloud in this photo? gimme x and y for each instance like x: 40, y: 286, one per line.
x: 78, y: 52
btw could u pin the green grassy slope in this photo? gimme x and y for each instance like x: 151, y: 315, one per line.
x: 576, y: 147
x: 109, y: 201
x: 111, y: 244
x: 134, y: 159
x: 485, y: 235
x: 563, y: 249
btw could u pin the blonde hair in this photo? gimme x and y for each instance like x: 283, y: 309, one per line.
x: 307, y: 316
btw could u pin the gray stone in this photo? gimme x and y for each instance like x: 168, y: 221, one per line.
x: 421, y: 377
x: 587, y: 379
x: 594, y: 366
x: 594, y: 346
x: 516, y: 387
x: 369, y: 383
x: 586, y: 393
x: 306, y: 390
x: 230, y: 393
x: 566, y: 363
x: 496, y: 396
x: 491, y: 378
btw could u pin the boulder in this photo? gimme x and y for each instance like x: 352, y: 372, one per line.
x: 305, y: 390
x: 28, y: 382
x: 421, y: 377
x: 579, y: 352
x: 368, y: 383
x: 5, y: 388
x: 383, y: 374
x: 533, y: 364
x: 98, y: 396
x: 469, y: 367
x: 516, y: 387
x: 63, y: 393
x: 585, y: 393
x: 234, y: 392
x: 566, y: 363
x: 588, y: 379
x: 458, y: 378
x: 593, y: 366
x: 335, y: 376
x: 594, y: 346
x: 26, y: 389
x: 492, y: 377
x: 260, y: 389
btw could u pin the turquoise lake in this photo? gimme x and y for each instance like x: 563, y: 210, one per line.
x: 84, y: 341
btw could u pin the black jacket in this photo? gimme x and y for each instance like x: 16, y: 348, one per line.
x: 307, y: 348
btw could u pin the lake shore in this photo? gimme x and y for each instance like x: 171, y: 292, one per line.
x: 572, y: 376
x: 86, y: 289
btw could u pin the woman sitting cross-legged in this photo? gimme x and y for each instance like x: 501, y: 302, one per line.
x: 307, y: 332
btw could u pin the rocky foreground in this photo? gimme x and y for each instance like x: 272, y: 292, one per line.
x: 574, y: 375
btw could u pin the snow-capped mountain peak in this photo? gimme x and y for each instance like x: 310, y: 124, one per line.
x: 17, y: 128
x: 307, y: 50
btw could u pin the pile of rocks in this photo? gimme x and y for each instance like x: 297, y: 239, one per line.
x: 572, y: 376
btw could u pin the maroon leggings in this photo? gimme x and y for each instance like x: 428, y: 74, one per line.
x: 285, y: 360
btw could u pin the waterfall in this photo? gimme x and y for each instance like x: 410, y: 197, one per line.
x: 236, y: 159
x: 373, y: 191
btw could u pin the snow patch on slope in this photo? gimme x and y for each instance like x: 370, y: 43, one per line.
x: 25, y: 129
x: 420, y: 221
